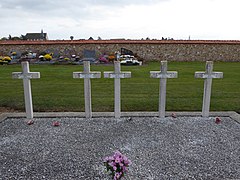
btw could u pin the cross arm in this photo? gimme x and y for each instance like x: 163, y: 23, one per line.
x: 204, y: 75
x: 92, y: 74
x: 110, y: 74
x: 159, y: 74
x: 20, y: 75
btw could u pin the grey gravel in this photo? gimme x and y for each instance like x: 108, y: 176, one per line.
x: 168, y: 148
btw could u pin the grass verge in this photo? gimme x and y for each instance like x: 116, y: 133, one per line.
x: 56, y: 90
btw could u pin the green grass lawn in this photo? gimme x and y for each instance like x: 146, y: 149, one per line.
x: 56, y: 90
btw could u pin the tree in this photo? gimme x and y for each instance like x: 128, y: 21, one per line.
x: 71, y: 37
x: 15, y: 38
x: 4, y: 38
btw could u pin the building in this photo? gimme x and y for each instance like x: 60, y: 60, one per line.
x: 36, y: 36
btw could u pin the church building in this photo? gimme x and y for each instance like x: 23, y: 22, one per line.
x: 36, y: 36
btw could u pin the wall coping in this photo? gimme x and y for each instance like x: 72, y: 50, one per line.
x: 57, y: 42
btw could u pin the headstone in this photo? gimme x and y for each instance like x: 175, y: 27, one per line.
x: 163, y: 75
x: 48, y: 51
x: 56, y: 53
x: 89, y: 54
x: 208, y: 75
x: 26, y: 75
x: 125, y: 51
x: 87, y: 75
x: 117, y: 75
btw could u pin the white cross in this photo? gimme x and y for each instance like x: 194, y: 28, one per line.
x: 163, y: 75
x: 26, y: 76
x: 208, y: 75
x: 87, y: 75
x: 117, y: 75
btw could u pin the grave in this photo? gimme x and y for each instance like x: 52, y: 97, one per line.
x: 56, y: 53
x: 125, y: 51
x: 88, y: 55
x: 117, y: 75
x: 26, y: 75
x: 163, y: 75
x: 87, y: 75
x: 208, y: 75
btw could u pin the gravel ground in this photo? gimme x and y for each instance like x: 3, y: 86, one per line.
x: 169, y: 148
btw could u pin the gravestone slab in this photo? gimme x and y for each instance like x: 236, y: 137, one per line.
x: 88, y: 55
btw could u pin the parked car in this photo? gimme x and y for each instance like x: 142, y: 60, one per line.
x: 128, y: 60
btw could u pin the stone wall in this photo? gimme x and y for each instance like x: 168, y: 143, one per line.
x: 171, y: 50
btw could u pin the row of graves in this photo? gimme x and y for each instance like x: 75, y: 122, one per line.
x: 125, y: 56
x: 117, y: 75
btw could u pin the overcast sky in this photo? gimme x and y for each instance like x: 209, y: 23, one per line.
x: 129, y: 19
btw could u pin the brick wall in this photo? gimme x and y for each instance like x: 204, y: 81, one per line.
x: 171, y: 50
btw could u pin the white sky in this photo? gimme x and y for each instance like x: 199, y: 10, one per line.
x: 129, y: 19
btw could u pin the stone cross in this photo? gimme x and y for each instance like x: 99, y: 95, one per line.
x: 163, y: 75
x: 207, y: 75
x: 87, y: 75
x: 26, y: 76
x: 117, y: 75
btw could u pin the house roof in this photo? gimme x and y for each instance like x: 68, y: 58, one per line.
x: 36, y: 36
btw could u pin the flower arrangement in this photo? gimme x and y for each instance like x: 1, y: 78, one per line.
x: 111, y: 57
x: 4, y: 60
x: 14, y: 53
x: 7, y: 58
x: 47, y: 57
x: 117, y: 165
